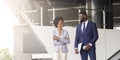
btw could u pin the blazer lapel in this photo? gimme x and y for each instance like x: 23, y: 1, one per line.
x: 80, y: 25
x: 87, y: 26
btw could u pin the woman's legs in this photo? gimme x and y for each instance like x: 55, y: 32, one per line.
x: 63, y: 56
x: 59, y: 55
x: 55, y: 56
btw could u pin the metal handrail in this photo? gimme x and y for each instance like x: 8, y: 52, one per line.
x: 26, y: 18
x: 113, y: 55
x: 22, y: 13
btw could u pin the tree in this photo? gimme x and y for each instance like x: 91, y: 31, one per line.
x: 4, y: 54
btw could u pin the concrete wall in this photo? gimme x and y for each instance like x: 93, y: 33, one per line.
x: 26, y: 43
x: 18, y: 45
x: 107, y: 44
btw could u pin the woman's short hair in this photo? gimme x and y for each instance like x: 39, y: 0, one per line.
x: 56, y: 20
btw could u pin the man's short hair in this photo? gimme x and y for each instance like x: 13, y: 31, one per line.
x: 83, y: 12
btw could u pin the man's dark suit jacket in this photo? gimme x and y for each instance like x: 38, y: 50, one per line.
x: 90, y: 35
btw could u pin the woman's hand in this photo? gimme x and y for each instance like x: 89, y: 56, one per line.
x: 56, y: 38
x: 67, y: 38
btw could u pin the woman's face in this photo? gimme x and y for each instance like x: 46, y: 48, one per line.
x: 60, y: 23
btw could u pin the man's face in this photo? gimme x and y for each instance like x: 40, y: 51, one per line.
x: 82, y: 17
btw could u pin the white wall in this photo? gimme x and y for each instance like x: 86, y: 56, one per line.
x: 18, y: 44
x: 107, y: 44
x: 112, y: 42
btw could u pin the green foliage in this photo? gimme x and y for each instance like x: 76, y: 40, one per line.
x: 4, y: 54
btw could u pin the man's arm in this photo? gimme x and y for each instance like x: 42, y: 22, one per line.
x: 76, y: 38
x: 76, y: 41
x: 95, y: 37
x: 95, y: 33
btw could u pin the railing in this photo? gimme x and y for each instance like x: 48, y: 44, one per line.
x: 118, y: 52
x: 24, y: 16
x: 32, y: 17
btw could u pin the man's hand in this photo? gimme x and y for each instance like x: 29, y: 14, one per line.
x: 76, y: 51
x: 56, y: 38
x: 87, y: 47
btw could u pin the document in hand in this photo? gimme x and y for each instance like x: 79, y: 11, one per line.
x: 79, y: 46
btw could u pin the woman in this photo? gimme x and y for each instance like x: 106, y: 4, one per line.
x: 60, y: 39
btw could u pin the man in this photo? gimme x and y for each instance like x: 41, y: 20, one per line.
x: 87, y: 34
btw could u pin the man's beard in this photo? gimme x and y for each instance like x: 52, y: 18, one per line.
x: 82, y: 20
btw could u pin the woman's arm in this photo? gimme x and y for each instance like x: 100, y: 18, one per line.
x: 56, y: 38
x: 66, y: 38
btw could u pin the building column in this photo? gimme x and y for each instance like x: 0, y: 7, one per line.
x: 108, y: 14
x: 103, y: 20
x: 97, y: 15
x: 88, y: 8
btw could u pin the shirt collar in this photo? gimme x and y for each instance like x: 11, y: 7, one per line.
x: 86, y: 22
